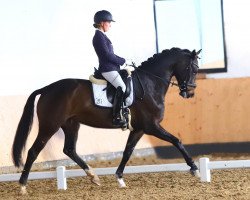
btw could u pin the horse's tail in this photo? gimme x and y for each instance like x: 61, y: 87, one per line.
x: 23, y: 129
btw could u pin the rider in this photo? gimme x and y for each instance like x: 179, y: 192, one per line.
x: 109, y: 63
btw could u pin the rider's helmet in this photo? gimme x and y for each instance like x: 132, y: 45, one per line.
x: 103, y: 16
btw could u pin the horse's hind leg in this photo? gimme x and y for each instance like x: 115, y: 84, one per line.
x: 70, y: 129
x: 41, y: 140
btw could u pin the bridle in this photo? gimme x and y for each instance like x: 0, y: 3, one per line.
x: 190, y: 69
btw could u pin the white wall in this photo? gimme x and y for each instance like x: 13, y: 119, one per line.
x: 43, y: 41
x: 237, y: 32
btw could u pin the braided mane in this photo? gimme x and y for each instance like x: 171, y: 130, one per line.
x: 157, y: 58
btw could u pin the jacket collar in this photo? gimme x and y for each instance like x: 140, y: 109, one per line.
x: 100, y: 31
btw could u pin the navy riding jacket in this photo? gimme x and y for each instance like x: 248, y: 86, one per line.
x: 108, y: 61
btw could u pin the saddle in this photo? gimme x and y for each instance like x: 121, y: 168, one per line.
x: 110, y: 89
x: 104, y: 92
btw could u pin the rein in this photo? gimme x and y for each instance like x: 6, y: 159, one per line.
x: 166, y: 82
x: 182, y: 86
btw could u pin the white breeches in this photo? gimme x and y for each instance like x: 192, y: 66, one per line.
x: 115, y: 79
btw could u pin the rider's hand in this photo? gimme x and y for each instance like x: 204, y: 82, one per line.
x: 129, y: 62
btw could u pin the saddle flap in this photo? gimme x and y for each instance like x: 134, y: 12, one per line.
x: 107, y: 91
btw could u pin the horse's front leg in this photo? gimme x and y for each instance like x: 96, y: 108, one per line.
x: 161, y: 133
x: 133, y: 138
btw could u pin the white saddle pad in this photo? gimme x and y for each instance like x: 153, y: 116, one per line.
x: 100, y: 96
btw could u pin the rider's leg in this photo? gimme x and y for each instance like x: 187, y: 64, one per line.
x: 115, y: 79
x: 118, y: 119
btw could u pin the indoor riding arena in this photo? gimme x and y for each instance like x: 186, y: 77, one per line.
x: 46, y: 41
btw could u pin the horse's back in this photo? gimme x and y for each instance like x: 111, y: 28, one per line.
x: 61, y: 97
x: 67, y: 84
x: 65, y: 87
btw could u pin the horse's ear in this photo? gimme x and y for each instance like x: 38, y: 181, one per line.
x: 195, y: 54
x: 198, y: 52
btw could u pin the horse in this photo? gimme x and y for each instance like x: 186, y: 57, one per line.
x: 67, y: 103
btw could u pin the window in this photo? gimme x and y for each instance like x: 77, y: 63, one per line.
x: 193, y: 24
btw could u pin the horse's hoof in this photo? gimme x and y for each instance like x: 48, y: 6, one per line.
x: 121, y: 183
x: 195, y: 173
x: 96, y: 180
x: 23, y: 190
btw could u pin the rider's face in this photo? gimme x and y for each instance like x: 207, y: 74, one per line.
x: 105, y: 26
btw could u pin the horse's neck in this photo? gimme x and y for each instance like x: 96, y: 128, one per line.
x: 148, y: 80
x: 159, y: 73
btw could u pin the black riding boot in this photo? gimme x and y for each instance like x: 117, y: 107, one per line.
x: 118, y: 119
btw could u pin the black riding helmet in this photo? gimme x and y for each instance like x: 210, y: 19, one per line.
x: 103, y: 16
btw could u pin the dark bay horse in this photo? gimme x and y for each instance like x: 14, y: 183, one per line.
x: 68, y: 103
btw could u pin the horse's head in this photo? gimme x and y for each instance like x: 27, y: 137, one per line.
x: 185, y: 72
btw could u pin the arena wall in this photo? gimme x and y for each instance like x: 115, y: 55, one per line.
x: 219, y: 112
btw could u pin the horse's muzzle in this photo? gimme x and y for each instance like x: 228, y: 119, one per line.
x: 188, y: 93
